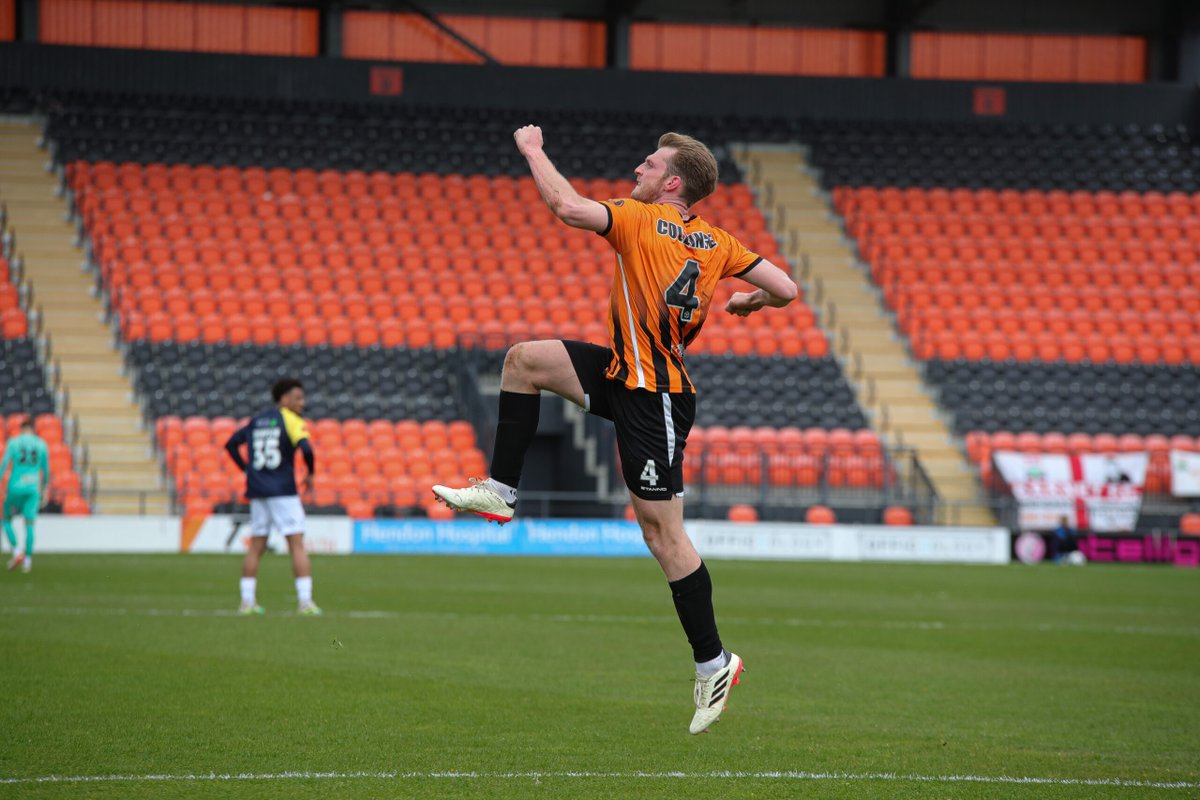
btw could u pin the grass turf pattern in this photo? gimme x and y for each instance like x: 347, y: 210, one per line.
x: 464, y: 677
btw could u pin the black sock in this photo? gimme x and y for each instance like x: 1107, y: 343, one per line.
x: 514, y: 431
x: 693, y: 603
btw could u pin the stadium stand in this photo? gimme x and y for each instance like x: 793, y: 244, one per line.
x: 965, y: 226
x: 1049, y: 283
x: 371, y: 223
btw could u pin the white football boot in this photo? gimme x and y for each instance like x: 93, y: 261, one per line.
x: 478, y: 498
x: 712, y: 693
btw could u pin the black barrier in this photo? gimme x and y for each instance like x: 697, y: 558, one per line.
x: 58, y: 68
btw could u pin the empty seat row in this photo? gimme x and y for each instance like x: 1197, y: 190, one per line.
x: 788, y: 469
x: 985, y: 155
x: 981, y: 444
x: 23, y: 388
x: 1082, y: 277
x: 933, y: 342
x: 267, y: 267
x: 369, y: 137
x: 334, y: 434
x: 445, y: 333
x: 1178, y: 246
x: 1067, y: 398
x: 857, y: 202
x: 176, y: 379
x: 266, y: 194
x: 863, y: 441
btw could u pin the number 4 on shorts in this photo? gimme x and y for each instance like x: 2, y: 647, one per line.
x: 650, y: 473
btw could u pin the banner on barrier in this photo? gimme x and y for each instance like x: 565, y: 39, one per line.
x: 782, y: 541
x: 527, y: 537
x: 223, y: 533
x: 1182, y: 551
x: 1094, y: 492
x: 1185, y: 473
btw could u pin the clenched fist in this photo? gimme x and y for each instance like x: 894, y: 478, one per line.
x: 528, y: 139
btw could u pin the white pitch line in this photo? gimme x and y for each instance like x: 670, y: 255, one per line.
x: 631, y: 619
x: 535, y: 776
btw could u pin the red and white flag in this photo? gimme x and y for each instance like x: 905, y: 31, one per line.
x: 1094, y: 492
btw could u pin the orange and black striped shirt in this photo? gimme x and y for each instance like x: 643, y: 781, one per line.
x: 667, y: 271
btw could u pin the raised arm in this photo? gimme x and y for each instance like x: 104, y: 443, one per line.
x: 775, y: 289
x: 566, y: 203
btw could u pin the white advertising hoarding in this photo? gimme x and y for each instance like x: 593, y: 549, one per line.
x: 794, y: 542
x: 112, y: 534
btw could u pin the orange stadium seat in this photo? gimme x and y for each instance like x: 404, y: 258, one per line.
x: 742, y: 513
x: 820, y: 515
x: 227, y: 225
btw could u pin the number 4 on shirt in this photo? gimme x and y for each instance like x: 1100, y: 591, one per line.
x: 682, y: 293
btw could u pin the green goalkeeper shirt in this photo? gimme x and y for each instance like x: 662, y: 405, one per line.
x: 29, y: 459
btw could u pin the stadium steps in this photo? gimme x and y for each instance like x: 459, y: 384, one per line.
x: 885, y: 379
x: 81, y: 345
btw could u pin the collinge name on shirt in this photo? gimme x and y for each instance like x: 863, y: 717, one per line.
x: 700, y: 240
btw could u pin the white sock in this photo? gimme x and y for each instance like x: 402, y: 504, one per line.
x: 304, y: 590
x: 248, y: 586
x: 508, y: 493
x: 712, y: 666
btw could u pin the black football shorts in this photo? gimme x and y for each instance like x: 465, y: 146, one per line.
x: 652, y: 427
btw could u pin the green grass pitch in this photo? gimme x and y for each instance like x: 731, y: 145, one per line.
x: 528, y: 678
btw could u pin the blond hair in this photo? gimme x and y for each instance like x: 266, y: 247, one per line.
x: 694, y: 163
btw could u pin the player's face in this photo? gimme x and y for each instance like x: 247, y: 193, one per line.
x: 652, y: 175
x: 294, y: 400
